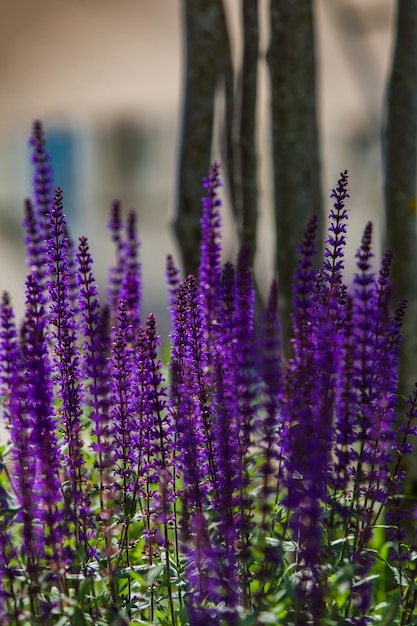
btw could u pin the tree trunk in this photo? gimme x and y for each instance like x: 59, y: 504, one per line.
x: 400, y: 162
x: 246, y: 190
x: 207, y: 60
x: 295, y: 146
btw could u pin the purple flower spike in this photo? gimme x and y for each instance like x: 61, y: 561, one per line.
x: 157, y: 428
x: 197, y: 366
x: 131, y: 289
x: 125, y: 276
x: 227, y: 426
x: 35, y: 242
x: 44, y: 441
x: 66, y: 359
x: 73, y: 291
x: 270, y: 343
x: 226, y: 409
x: 383, y: 341
x: 160, y: 425
x: 210, y: 263
x: 192, y: 452
x: 179, y: 349
x: 42, y: 178
x: 302, y: 290
x: 9, y: 356
x: 336, y: 240
x: 23, y: 471
x: 243, y: 322
x: 270, y: 366
x: 244, y: 376
x: 200, y: 586
x: 115, y: 227
x: 364, y: 319
x: 173, y: 281
x: 96, y: 335
x: 123, y: 440
x: 309, y: 410
x: 212, y: 593
x: 398, y: 509
x: 36, y: 221
x: 189, y: 369
x: 346, y: 402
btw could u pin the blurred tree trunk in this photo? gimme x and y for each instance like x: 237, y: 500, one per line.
x: 245, y: 174
x: 297, y: 180
x: 295, y: 145
x: 207, y: 61
x: 400, y: 162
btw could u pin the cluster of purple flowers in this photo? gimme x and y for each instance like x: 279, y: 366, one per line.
x: 234, y: 486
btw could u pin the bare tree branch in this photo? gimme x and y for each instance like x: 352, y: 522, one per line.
x: 297, y: 181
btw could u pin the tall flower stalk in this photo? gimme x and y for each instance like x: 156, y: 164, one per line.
x: 67, y: 370
x: 96, y: 347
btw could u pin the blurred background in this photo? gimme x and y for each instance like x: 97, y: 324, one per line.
x: 106, y: 79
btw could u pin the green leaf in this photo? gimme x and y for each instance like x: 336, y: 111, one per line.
x: 342, y: 540
x: 154, y: 572
x: 267, y: 617
x: 391, y: 610
x: 289, y: 546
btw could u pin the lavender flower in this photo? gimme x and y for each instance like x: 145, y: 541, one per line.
x: 302, y: 290
x: 131, y: 284
x: 270, y: 366
x: 333, y: 263
x: 227, y: 473
x: 243, y: 354
x: 9, y: 356
x: 36, y: 218
x: 159, y: 424
x: 365, y: 376
x: 67, y: 369
x: 202, y: 593
x: 309, y: 400
x: 154, y: 426
x: 235, y: 423
x: 23, y: 471
x: 193, y: 430
x: 123, y: 436
x: 35, y: 242
x: 42, y: 177
x: 96, y: 347
x: 210, y: 264
x: 116, y: 273
x: 23, y: 457
x: 190, y: 402
x: 173, y: 281
x: 73, y: 284
x: 43, y: 423
x: 194, y: 391
x: 346, y: 406
x: 125, y: 279
x: 226, y: 413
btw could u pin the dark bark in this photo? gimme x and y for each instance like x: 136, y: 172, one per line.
x: 207, y: 61
x: 295, y: 145
x: 400, y: 162
x: 246, y: 191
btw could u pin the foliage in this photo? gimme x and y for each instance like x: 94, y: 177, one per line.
x: 230, y: 487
